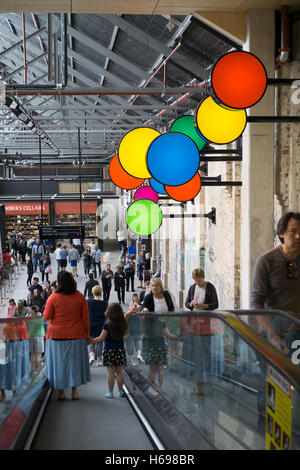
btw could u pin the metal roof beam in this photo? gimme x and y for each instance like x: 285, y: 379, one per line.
x: 110, y: 47
x: 151, y: 42
x: 89, y: 65
x: 19, y: 43
x: 94, y: 118
x: 6, y: 77
x: 108, y: 53
x: 118, y: 99
x: 94, y: 108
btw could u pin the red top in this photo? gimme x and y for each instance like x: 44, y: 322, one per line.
x: 6, y: 258
x: 68, y: 315
x: 15, y: 331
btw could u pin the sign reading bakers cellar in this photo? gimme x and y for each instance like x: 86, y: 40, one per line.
x: 25, y: 208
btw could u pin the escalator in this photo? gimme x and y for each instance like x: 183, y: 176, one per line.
x: 249, y: 397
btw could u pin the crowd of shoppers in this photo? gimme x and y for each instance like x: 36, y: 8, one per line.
x: 80, y: 333
x: 84, y: 329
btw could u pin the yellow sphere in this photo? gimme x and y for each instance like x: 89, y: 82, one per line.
x: 218, y: 123
x: 133, y: 151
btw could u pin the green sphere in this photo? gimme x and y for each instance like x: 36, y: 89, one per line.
x: 185, y: 125
x: 144, y: 217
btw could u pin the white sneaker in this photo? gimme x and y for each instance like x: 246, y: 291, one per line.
x: 91, y: 361
x: 139, y: 358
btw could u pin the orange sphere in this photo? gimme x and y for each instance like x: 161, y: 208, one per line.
x: 119, y: 176
x: 186, y: 191
x: 239, y: 79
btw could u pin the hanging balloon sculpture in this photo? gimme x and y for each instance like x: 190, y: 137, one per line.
x: 170, y: 161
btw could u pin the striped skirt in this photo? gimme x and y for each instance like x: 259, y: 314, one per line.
x: 67, y: 363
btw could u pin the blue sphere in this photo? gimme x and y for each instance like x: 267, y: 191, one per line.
x: 158, y: 187
x: 173, y: 159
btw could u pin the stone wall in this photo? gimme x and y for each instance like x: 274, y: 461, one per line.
x: 228, y: 249
x: 287, y: 166
x: 222, y: 240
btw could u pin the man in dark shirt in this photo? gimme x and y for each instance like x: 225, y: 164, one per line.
x: 276, y: 281
x: 89, y: 286
x: 106, y: 277
x: 37, y: 286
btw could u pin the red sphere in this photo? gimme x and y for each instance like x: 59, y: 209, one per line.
x: 239, y: 79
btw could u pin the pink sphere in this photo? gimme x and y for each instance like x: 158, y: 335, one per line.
x: 146, y: 192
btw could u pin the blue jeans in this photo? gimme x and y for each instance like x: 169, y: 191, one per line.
x: 37, y: 260
x: 95, y: 269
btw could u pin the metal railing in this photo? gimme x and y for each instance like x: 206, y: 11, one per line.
x: 9, y: 282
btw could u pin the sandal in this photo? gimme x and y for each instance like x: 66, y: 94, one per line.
x: 62, y: 398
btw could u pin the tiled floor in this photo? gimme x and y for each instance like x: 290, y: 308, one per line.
x: 18, y: 290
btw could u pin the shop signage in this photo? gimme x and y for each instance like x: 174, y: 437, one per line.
x: 278, y: 411
x: 62, y: 231
x: 73, y: 207
x: 22, y: 208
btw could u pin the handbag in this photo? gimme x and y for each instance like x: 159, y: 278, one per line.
x: 48, y: 270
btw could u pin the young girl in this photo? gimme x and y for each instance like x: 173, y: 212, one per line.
x: 29, y: 272
x: 11, y: 308
x: 36, y: 334
x: 114, y: 356
x: 134, y: 338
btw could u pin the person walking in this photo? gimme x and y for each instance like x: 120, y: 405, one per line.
x: 133, y: 342
x: 276, y: 285
x: 89, y: 286
x: 203, y: 347
x: 97, y: 262
x: 47, y: 291
x: 46, y: 267
x: 154, y: 350
x: 114, y: 355
x: 29, y: 271
x: 77, y: 244
x: 106, y: 276
x: 57, y: 256
x: 23, y: 249
x: 130, y: 272
x: 120, y: 284
x: 74, y: 258
x: 37, y: 299
x: 11, y: 308
x: 36, y: 332
x: 38, y: 253
x: 140, y: 268
x: 63, y: 258
x: 67, y: 362
x: 122, y: 234
x: 97, y: 309
x: 87, y: 260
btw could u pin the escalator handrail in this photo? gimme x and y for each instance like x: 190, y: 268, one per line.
x: 270, y: 353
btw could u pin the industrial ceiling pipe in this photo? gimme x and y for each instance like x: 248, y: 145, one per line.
x: 178, y: 101
x: 285, y: 36
x: 24, y: 48
x: 64, y: 46
x: 163, y: 64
